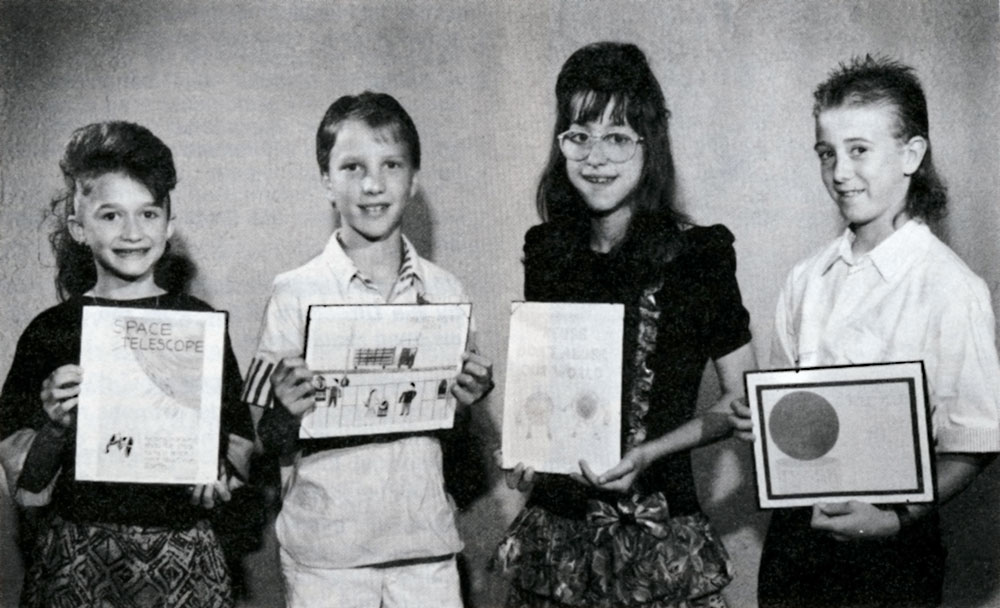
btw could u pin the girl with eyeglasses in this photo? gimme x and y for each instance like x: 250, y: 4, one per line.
x: 633, y: 535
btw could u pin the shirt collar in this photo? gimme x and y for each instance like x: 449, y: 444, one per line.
x: 890, y: 257
x: 411, y: 269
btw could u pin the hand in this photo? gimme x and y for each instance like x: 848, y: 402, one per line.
x: 475, y: 379
x: 741, y: 421
x: 292, y: 383
x: 221, y: 491
x: 520, y: 478
x: 618, y: 478
x: 854, y: 520
x: 60, y: 394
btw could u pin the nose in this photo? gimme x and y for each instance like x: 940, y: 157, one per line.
x: 842, y: 169
x: 130, y: 229
x: 373, y: 183
x: 596, y: 155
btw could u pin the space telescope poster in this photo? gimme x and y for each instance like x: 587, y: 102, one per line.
x: 833, y: 434
x: 150, y: 399
x: 383, y: 368
x: 562, y: 397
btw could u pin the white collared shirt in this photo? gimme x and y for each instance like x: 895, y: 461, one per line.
x: 373, y: 503
x: 910, y: 298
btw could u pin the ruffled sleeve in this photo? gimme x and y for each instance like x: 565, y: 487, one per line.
x: 709, y: 260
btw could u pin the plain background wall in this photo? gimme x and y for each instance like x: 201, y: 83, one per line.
x: 237, y: 90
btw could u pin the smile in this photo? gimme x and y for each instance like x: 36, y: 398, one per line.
x: 375, y: 209
x: 848, y: 193
x: 131, y: 253
x: 598, y: 179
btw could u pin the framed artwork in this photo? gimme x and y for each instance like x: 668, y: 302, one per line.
x: 384, y: 368
x: 831, y: 434
x: 151, y: 398
x: 562, y: 397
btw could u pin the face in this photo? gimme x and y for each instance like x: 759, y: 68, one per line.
x: 117, y: 218
x: 865, y: 168
x: 604, y: 185
x: 370, y: 180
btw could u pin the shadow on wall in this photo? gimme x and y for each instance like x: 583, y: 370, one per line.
x: 418, y: 225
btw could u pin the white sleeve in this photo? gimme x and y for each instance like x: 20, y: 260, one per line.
x: 963, y: 375
x: 783, y: 351
x: 282, y: 334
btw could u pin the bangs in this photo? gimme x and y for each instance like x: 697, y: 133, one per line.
x: 590, y: 106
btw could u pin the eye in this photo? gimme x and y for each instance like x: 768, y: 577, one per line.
x: 857, y: 151
x: 108, y: 216
x: 351, y: 167
x: 393, y: 164
x: 579, y: 138
x: 824, y: 154
x: 151, y: 214
x: 619, y: 139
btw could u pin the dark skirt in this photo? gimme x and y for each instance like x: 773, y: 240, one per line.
x: 110, y: 566
x: 803, y: 568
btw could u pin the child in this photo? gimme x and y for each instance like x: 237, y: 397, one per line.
x: 364, y: 521
x: 634, y: 535
x: 885, y: 290
x: 112, y: 543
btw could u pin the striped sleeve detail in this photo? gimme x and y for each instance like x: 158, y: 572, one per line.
x: 257, y: 388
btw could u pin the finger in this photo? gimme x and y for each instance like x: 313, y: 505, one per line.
x: 831, y: 509
x: 513, y: 476
x: 477, y: 370
x: 196, y: 492
x: 464, y: 395
x: 527, y: 480
x: 589, y: 474
x: 476, y: 359
x: 222, y: 489
x: 616, y: 472
x: 578, y: 478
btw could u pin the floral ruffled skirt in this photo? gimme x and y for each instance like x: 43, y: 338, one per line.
x: 627, y: 554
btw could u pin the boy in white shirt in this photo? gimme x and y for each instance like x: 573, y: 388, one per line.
x: 365, y: 521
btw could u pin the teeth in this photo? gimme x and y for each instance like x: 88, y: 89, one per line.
x: 599, y: 180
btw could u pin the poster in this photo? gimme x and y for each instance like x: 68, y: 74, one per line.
x: 151, y: 396
x: 833, y: 434
x: 562, y: 397
x: 385, y: 368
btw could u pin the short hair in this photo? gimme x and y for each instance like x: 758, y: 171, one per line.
x: 378, y: 111
x: 868, y: 80
x: 95, y: 150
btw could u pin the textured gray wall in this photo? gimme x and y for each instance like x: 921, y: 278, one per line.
x: 236, y: 90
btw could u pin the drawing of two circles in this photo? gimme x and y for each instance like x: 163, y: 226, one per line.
x: 804, y: 425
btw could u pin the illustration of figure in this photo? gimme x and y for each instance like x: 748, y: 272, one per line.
x: 319, y: 383
x: 406, y: 398
x: 371, y: 403
x: 334, y: 394
x: 383, y: 408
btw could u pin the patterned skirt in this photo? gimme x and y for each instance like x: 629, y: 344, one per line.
x: 632, y: 553
x: 119, y: 566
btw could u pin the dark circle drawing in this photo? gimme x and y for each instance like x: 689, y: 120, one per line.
x: 804, y: 425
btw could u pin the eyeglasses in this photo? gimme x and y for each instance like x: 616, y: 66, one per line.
x: 617, y: 147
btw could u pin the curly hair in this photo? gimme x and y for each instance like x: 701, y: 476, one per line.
x: 95, y: 150
x: 868, y: 80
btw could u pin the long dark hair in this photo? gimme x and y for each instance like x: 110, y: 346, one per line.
x: 92, y: 151
x: 871, y: 80
x: 618, y: 74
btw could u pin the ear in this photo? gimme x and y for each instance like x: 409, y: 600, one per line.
x: 414, y: 184
x: 913, y: 154
x: 170, y: 227
x: 324, y: 178
x: 75, y: 229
